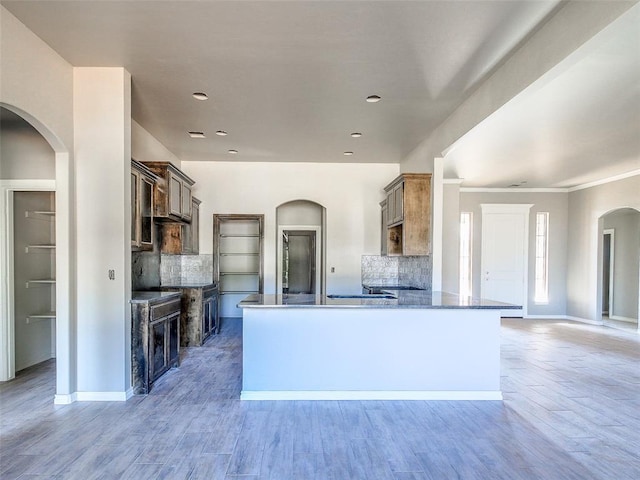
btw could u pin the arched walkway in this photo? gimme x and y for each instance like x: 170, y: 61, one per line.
x: 65, y: 339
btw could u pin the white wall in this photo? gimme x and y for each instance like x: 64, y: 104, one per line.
x: 451, y: 238
x: 556, y: 205
x: 350, y: 193
x: 584, y: 269
x: 24, y: 153
x: 38, y: 84
x: 102, y: 116
x: 626, y: 272
x: 146, y: 148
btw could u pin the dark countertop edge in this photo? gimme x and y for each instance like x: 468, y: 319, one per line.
x: 410, y: 300
x: 150, y: 296
x: 188, y: 285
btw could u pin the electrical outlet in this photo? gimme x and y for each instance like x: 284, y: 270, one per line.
x: 112, y: 274
x: 333, y: 269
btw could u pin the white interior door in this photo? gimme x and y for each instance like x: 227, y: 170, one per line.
x: 504, y: 254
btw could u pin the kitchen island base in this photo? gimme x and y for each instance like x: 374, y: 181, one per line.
x: 333, y: 353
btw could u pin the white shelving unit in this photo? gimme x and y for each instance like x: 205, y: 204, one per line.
x: 238, y: 261
x: 34, y: 293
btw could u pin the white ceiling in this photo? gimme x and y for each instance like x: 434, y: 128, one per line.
x: 578, y: 123
x: 287, y: 80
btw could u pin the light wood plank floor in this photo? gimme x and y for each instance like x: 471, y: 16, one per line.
x: 571, y: 411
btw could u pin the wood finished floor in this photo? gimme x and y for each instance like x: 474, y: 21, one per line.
x: 571, y: 411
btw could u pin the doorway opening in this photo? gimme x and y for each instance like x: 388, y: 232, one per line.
x: 30, y: 159
x: 299, y: 261
x: 300, y: 245
x: 619, y: 263
x: 607, y: 271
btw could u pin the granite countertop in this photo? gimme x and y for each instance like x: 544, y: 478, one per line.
x: 380, y: 286
x: 150, y: 296
x: 401, y: 299
x: 189, y: 285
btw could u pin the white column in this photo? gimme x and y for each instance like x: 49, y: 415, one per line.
x: 102, y: 126
x: 437, y: 212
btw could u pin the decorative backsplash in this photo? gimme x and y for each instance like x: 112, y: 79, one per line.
x: 186, y: 269
x: 401, y: 270
x: 415, y: 271
x: 379, y: 270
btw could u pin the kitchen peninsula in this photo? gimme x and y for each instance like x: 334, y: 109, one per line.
x: 402, y: 345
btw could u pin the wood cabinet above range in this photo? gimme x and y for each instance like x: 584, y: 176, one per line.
x: 408, y: 215
x: 171, y: 193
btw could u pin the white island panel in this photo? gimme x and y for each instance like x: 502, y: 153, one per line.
x: 368, y: 353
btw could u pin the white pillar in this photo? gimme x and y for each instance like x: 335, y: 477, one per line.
x: 102, y: 127
x: 436, y: 212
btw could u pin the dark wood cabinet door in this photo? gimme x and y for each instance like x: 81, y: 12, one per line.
x: 158, y: 349
x: 174, y: 340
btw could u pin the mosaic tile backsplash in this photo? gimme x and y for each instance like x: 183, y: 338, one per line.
x: 186, y: 269
x: 388, y: 270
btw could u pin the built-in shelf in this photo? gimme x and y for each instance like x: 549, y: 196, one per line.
x: 40, y: 214
x: 238, y: 262
x: 42, y: 281
x: 38, y: 317
x: 39, y: 247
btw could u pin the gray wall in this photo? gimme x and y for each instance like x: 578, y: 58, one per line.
x: 24, y: 153
x: 626, y: 225
x: 556, y: 205
x: 584, y: 265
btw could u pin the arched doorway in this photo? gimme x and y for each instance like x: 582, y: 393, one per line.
x: 619, y: 238
x: 60, y: 184
x: 300, y: 247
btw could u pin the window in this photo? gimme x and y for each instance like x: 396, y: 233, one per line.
x: 542, y: 258
x: 466, y: 233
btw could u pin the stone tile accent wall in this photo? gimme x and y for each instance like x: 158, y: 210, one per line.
x: 389, y: 270
x: 170, y: 269
x: 197, y: 268
x: 379, y: 270
x: 186, y: 269
x: 415, y: 271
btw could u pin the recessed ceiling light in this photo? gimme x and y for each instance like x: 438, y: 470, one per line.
x: 356, y: 134
x: 373, y: 98
x: 200, y: 96
x: 348, y: 153
x: 222, y: 133
x: 197, y: 135
x: 233, y: 152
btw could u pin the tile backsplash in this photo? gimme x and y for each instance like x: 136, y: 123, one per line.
x: 390, y: 270
x: 379, y: 270
x: 186, y: 269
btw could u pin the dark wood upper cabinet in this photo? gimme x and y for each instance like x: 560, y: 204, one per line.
x: 171, y: 193
x: 142, y: 183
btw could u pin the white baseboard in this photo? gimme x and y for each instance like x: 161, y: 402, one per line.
x: 101, y: 396
x: 369, y: 395
x: 563, y: 317
x: 623, y: 319
x: 65, y: 399
x: 93, y: 397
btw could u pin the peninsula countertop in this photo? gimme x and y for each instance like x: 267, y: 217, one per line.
x: 419, y: 299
